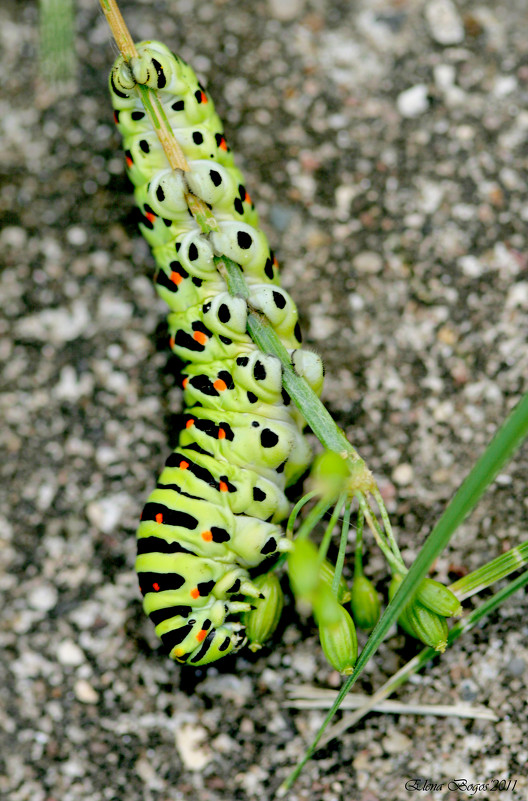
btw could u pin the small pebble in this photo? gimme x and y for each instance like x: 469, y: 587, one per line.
x: 445, y: 25
x: 368, y: 262
x: 516, y: 666
x: 403, y: 474
x: 191, y: 742
x: 396, y: 743
x: 43, y: 597
x: 413, y: 102
x: 85, y: 693
x: 107, y: 512
x: 76, y: 235
x: 68, y: 653
x: 285, y: 10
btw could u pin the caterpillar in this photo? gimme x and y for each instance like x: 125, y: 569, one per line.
x: 214, y: 515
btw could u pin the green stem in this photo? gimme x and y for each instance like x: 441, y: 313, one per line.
x: 295, y: 511
x: 313, y: 517
x: 325, y: 542
x: 395, y: 563
x: 386, y: 523
x: 358, y: 553
x: 342, y: 548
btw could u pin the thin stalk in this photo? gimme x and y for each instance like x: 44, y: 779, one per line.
x: 327, y: 536
x: 358, y: 552
x: 313, y: 517
x: 296, y: 509
x: 395, y: 564
x: 386, y: 522
x: 340, y: 561
x: 315, y: 414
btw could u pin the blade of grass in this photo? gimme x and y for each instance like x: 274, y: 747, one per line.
x: 57, y: 61
x: 502, y: 446
x: 309, y: 697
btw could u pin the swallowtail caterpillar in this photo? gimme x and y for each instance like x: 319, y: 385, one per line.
x: 215, y: 512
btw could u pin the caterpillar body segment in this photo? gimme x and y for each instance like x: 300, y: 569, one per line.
x: 214, y: 513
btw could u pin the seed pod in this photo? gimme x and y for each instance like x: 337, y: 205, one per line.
x: 303, y: 568
x: 327, y: 571
x: 330, y: 471
x: 261, y: 622
x: 419, y: 621
x: 326, y: 608
x: 429, y: 627
x: 339, y: 643
x: 438, y: 598
x: 365, y: 603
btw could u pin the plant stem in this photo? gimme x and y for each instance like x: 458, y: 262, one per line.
x: 340, y: 561
x: 358, y: 553
x: 325, y: 542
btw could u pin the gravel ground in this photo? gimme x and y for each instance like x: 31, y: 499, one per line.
x: 384, y: 141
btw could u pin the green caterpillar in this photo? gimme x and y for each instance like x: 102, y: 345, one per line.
x: 215, y: 512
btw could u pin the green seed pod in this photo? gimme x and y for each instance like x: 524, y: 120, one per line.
x: 326, y: 608
x: 405, y: 623
x: 261, y: 622
x: 438, y: 598
x: 429, y: 627
x: 419, y: 621
x: 327, y: 571
x: 339, y: 643
x: 365, y: 603
x: 303, y: 568
x: 330, y: 471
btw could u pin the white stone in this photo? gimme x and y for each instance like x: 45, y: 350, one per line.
x: 403, y: 474
x: 55, y: 325
x: 470, y: 266
x: 444, y: 76
x: 76, y: 235
x: 518, y: 295
x: 368, y: 262
x: 445, y: 25
x: 504, y: 85
x: 396, y: 743
x: 413, y: 101
x: 69, y: 653
x: 85, y: 693
x: 191, y: 742
x: 106, y: 512
x: 44, y: 597
x: 113, y: 311
x: 70, y: 386
x: 285, y: 9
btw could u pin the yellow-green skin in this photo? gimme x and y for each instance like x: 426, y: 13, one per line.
x: 215, y: 510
